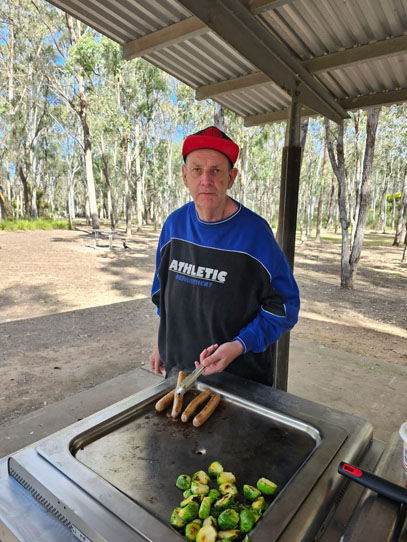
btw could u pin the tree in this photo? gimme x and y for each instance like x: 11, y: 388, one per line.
x: 350, y: 254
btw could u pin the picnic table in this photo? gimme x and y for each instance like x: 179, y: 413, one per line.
x: 98, y: 235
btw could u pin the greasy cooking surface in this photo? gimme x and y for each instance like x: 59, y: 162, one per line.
x: 144, y: 457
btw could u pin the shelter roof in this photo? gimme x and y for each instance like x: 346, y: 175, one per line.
x: 251, y: 56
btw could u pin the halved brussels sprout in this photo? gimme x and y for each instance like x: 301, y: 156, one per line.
x: 215, y: 468
x: 224, y: 502
x: 226, y: 477
x: 210, y: 520
x: 191, y: 498
x: 189, y: 512
x: 213, y: 495
x: 251, y: 492
x: 201, y: 476
x: 191, y: 530
x: 259, y: 504
x: 207, y: 534
x: 257, y: 515
x: 231, y: 534
x: 266, y: 486
x: 246, y: 522
x: 228, y: 489
x: 183, y: 482
x: 187, y: 493
x: 198, y: 488
x: 205, y: 508
x: 176, y: 520
x: 228, y: 519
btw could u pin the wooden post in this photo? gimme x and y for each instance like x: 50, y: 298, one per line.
x: 287, y: 222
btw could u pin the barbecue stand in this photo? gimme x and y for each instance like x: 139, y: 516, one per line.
x: 111, y: 476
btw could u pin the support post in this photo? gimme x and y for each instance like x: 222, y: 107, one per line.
x: 287, y: 221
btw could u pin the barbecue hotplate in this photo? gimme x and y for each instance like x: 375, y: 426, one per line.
x: 122, y: 463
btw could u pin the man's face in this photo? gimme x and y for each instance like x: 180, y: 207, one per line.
x: 207, y: 175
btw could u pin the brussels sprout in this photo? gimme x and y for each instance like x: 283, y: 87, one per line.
x: 215, y: 468
x: 246, y: 522
x: 198, y: 488
x: 176, y: 521
x: 205, y: 508
x: 187, y: 493
x: 189, y: 512
x: 232, y: 534
x: 191, y: 498
x: 266, y: 486
x: 201, y: 476
x: 251, y: 492
x: 256, y: 514
x: 191, y: 530
x: 226, y: 477
x: 210, y: 520
x: 259, y: 504
x: 214, y: 495
x: 207, y: 534
x: 224, y: 502
x: 228, y: 489
x: 183, y: 482
x: 228, y: 519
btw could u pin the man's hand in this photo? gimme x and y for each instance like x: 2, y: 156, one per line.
x: 156, y: 363
x: 216, y: 359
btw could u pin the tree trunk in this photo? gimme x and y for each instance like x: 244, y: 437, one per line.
x: 127, y: 184
x: 219, y: 117
x: 338, y: 166
x: 139, y: 180
x: 26, y: 195
x: 365, y: 194
x: 319, y: 217
x: 87, y: 146
x: 400, y: 226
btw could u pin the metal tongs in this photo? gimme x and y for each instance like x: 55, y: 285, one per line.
x: 189, y: 381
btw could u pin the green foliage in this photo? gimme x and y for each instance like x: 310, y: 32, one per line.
x: 34, y: 224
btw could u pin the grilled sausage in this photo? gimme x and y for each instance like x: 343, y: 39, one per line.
x: 207, y: 411
x: 194, y: 404
x: 165, y: 401
x: 177, y: 402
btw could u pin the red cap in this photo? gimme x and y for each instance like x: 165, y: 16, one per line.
x: 211, y: 138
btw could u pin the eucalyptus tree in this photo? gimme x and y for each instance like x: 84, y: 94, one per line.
x: 351, y: 252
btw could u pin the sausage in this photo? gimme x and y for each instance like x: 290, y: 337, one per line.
x: 207, y: 411
x: 177, y: 403
x: 194, y: 404
x: 165, y: 401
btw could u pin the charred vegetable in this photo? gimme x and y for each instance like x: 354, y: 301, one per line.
x: 215, y: 468
x: 198, y: 488
x: 189, y: 512
x: 228, y: 489
x: 225, y: 478
x: 176, y: 521
x: 183, y: 482
x: 259, y: 504
x: 201, y: 477
x: 266, y: 486
x: 213, y: 495
x: 246, y: 522
x: 207, y: 534
x: 228, y: 519
x: 205, y: 508
x: 250, y: 492
x: 192, y: 529
x: 210, y: 521
x: 224, y: 502
x: 231, y: 534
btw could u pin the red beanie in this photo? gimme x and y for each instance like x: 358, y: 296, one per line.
x: 211, y: 138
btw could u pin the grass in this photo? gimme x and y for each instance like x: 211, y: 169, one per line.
x: 34, y: 224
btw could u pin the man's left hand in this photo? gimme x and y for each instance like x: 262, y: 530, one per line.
x: 223, y: 356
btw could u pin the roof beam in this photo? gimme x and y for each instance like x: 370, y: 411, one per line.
x: 260, y: 6
x: 169, y: 35
x: 380, y: 49
x: 362, y: 53
x: 236, y: 25
x: 350, y: 104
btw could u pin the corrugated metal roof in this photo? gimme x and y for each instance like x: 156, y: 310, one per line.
x: 307, y: 30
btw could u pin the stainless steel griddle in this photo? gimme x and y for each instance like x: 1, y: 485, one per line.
x: 112, y: 476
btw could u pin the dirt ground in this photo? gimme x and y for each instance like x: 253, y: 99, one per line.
x: 97, y: 320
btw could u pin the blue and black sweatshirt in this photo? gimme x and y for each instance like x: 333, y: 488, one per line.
x: 221, y: 281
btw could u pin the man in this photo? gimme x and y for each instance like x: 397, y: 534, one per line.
x: 221, y: 279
